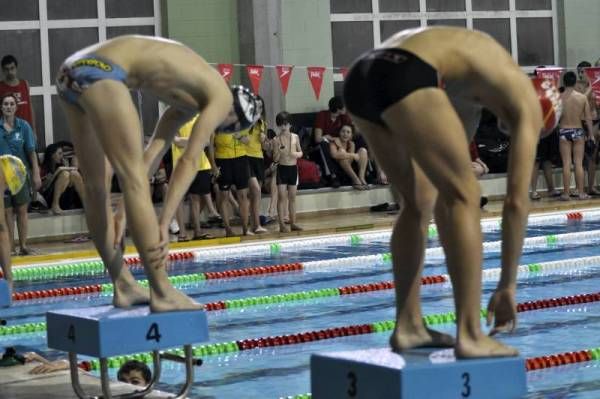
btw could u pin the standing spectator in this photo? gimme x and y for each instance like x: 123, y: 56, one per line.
x: 58, y: 178
x: 286, y: 152
x: 546, y: 150
x: 327, y: 126
x: 5, y: 263
x: 18, y: 87
x: 17, y: 139
x: 254, y: 152
x: 232, y: 163
x: 344, y: 151
x: 584, y: 86
x: 572, y: 134
x: 200, y: 190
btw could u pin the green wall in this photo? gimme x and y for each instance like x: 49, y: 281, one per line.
x: 306, y: 41
x: 207, y: 26
x: 579, y: 25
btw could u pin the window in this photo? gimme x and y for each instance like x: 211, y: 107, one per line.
x: 351, y: 6
x: 498, y: 28
x: 447, y: 22
x: 533, y: 4
x: 399, y: 5
x: 445, y: 5
x: 535, y: 44
x: 349, y: 40
x: 489, y: 5
x: 82, y: 22
x: 388, y: 28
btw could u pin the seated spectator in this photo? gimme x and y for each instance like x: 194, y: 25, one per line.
x: 327, y: 126
x: 61, y: 182
x: 343, y: 150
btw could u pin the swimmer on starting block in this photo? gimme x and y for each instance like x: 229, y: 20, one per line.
x: 395, y: 95
x: 94, y: 86
x: 12, y: 177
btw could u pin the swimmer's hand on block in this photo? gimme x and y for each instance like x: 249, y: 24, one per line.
x: 419, y: 373
x: 107, y: 331
x: 5, y: 297
x: 14, y: 172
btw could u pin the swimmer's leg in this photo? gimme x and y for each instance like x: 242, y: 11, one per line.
x: 118, y: 130
x: 409, y: 237
x: 97, y: 173
x: 439, y: 146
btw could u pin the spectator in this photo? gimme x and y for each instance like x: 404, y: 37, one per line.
x: 546, y: 151
x: 327, y: 126
x: 17, y: 139
x: 5, y: 261
x: 233, y: 170
x: 479, y: 168
x: 286, y: 153
x: 200, y: 190
x: 135, y: 372
x: 270, y: 184
x: 343, y: 150
x: 18, y: 87
x: 571, y: 133
x: 60, y: 181
x: 254, y: 152
x: 584, y: 87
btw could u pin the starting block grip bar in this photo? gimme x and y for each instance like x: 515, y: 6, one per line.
x: 423, y: 373
x: 107, y: 331
x: 5, y: 297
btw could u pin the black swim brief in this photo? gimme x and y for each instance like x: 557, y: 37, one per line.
x: 382, y: 77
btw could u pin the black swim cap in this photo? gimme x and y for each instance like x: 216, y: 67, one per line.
x: 247, y: 108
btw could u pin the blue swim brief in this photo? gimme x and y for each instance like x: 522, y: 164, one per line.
x: 78, y: 73
x: 571, y: 133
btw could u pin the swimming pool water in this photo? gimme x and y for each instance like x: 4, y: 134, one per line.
x: 281, y: 371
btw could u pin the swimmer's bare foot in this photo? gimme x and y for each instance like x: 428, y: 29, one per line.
x: 421, y: 338
x: 283, y: 228
x: 295, y: 227
x: 57, y: 210
x: 484, y: 346
x: 127, y: 294
x: 171, y: 299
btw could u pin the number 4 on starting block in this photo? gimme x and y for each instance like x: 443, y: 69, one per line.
x: 4, y: 294
x: 421, y: 373
x: 107, y: 331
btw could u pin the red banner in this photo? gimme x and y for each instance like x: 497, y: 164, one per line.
x: 315, y: 75
x: 551, y: 73
x: 226, y: 71
x: 284, y: 72
x: 255, y: 73
x: 593, y: 75
x: 344, y: 72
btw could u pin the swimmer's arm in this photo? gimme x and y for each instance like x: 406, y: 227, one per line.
x: 276, y: 149
x: 183, y: 174
x: 180, y: 142
x: 516, y: 204
x: 587, y: 115
x: 298, y: 153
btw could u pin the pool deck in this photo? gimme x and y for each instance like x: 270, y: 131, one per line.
x: 321, y: 223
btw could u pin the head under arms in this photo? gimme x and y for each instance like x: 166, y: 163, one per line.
x: 168, y: 69
x: 473, y: 61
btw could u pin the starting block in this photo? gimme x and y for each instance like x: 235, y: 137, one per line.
x: 107, y: 331
x: 5, y: 297
x: 420, y: 373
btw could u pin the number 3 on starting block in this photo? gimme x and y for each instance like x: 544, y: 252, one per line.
x: 380, y: 373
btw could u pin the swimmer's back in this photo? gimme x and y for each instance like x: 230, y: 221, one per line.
x: 168, y: 69
x: 481, y: 65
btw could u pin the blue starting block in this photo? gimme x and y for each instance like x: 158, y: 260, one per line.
x: 420, y: 373
x: 5, y: 296
x: 107, y: 331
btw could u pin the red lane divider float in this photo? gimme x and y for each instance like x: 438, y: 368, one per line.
x: 56, y: 292
x: 574, y: 216
x: 136, y: 260
x: 558, y: 359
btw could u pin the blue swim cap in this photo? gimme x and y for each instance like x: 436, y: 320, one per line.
x: 247, y: 107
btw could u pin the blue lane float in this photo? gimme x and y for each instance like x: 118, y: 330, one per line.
x: 106, y: 331
x: 5, y: 297
x: 420, y: 373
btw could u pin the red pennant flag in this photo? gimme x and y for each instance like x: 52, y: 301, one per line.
x: 315, y: 75
x: 550, y: 73
x: 284, y: 72
x: 344, y: 72
x: 593, y: 75
x: 255, y: 73
x: 226, y: 71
